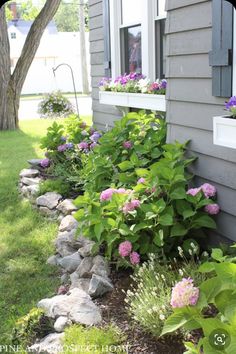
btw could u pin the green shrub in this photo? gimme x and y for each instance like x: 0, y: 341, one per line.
x: 93, y: 340
x: 55, y: 105
x: 214, y: 309
x: 136, y: 140
x: 54, y: 185
x: 28, y: 328
x: 148, y: 302
x: 156, y: 215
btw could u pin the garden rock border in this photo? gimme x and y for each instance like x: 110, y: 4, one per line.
x: 85, y: 273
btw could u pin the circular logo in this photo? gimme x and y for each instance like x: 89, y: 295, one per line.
x: 219, y: 339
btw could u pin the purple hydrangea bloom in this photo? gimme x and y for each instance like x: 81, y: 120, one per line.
x: 127, y: 144
x: 93, y: 145
x: 45, y: 163
x: 61, y: 148
x: 134, y: 258
x: 63, y: 138
x: 95, y: 137
x: 193, y: 191
x: 209, y: 190
x: 131, y: 206
x: 69, y: 146
x: 212, y: 209
x: 231, y: 103
x: 83, y: 145
x: 163, y: 84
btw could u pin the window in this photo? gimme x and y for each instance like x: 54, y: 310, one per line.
x: 13, y: 35
x: 137, y: 37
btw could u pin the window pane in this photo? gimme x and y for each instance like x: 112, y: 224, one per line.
x: 132, y: 61
x: 161, y: 7
x: 160, y: 49
x: 131, y: 11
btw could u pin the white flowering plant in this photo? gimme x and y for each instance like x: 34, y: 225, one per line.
x: 55, y: 105
x: 148, y: 300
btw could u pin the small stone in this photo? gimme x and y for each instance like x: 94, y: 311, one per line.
x: 30, y: 181
x: 29, y: 173
x: 48, y: 212
x: 49, y: 200
x: 61, y: 323
x: 65, y: 278
x: 84, y: 268
x: 66, y: 207
x: 80, y: 283
x: 76, y: 305
x: 34, y: 189
x: 52, y: 344
x: 25, y: 192
x: 87, y: 250
x: 99, y: 286
x: 70, y: 263
x: 66, y: 243
x: 35, y: 163
x: 100, y: 266
x: 68, y: 223
x: 53, y: 260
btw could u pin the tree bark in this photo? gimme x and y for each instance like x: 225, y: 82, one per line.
x: 83, y: 52
x: 11, y: 85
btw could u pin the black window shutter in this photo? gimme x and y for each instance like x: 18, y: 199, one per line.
x: 107, y: 40
x: 221, y: 56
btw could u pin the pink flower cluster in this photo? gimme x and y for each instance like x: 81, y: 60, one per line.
x: 125, y: 250
x: 131, y: 206
x: 108, y: 193
x: 141, y: 180
x: 212, y: 209
x: 184, y: 294
x: 127, y: 144
x: 208, y: 190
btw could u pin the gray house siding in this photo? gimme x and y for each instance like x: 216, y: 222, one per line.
x: 102, y: 114
x: 191, y: 105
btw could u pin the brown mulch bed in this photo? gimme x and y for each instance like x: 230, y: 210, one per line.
x: 113, y: 311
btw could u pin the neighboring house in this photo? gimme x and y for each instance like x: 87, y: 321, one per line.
x: 55, y: 48
x: 198, y: 64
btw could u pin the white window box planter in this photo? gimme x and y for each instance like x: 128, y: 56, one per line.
x: 134, y: 100
x: 224, y: 131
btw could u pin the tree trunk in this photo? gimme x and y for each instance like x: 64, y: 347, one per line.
x: 11, y: 85
x: 83, y: 52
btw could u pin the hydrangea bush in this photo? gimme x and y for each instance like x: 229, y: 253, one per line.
x: 155, y: 215
x: 133, y: 83
x: 191, y: 305
x: 55, y: 105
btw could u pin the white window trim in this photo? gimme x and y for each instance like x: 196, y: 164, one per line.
x: 148, y: 37
x: 234, y: 55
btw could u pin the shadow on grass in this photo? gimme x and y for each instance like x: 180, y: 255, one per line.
x: 25, y: 237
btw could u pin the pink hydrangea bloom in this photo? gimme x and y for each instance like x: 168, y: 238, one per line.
x: 130, y: 206
x: 127, y: 144
x: 184, y: 294
x: 122, y: 191
x: 107, y: 194
x: 193, y: 191
x: 141, y: 180
x: 212, y: 209
x: 45, y: 163
x: 83, y: 145
x: 134, y: 258
x: 208, y: 190
x: 125, y: 248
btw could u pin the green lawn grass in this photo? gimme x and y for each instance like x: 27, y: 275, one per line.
x: 25, y: 237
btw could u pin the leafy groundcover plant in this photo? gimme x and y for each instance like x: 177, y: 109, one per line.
x: 211, y: 307
x: 55, y: 105
x: 133, y: 83
x: 80, y: 340
x: 148, y: 301
x: 155, y: 215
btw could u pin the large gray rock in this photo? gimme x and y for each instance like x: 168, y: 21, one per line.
x: 99, y: 286
x: 31, y: 181
x: 49, y: 200
x: 65, y: 278
x: 33, y: 190
x: 49, y: 213
x: 80, y: 283
x: 66, y: 207
x: 61, y: 323
x: 68, y: 223
x: 84, y: 268
x: 76, y: 305
x: 52, y: 344
x: 29, y: 173
x: 70, y: 263
x: 87, y: 250
x: 100, y: 267
x: 67, y: 243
